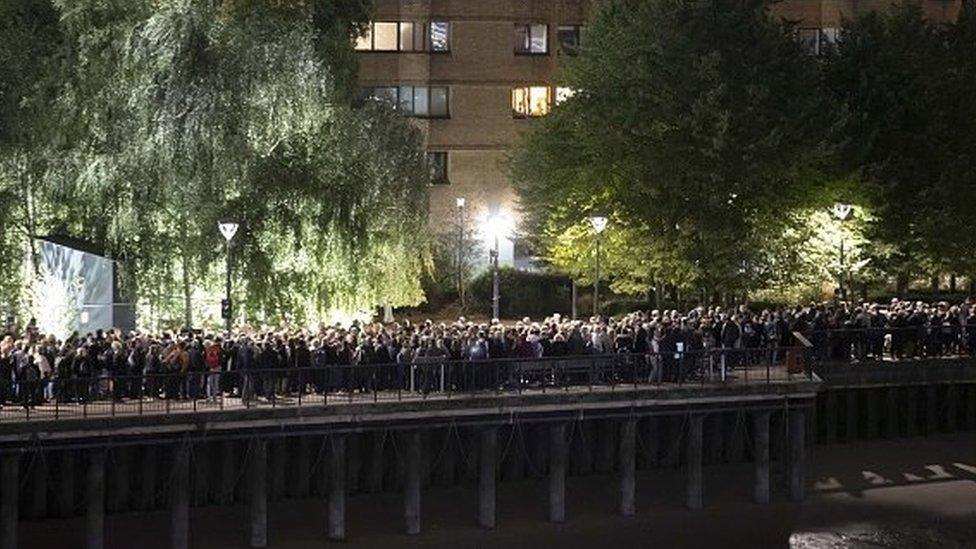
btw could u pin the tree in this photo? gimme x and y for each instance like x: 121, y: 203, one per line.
x: 700, y: 125
x: 908, y: 89
x: 176, y: 113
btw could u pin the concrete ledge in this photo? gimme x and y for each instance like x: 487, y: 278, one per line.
x: 354, y: 416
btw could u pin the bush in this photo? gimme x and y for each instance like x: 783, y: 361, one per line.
x: 522, y: 293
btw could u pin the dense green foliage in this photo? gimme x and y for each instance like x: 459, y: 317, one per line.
x: 141, y: 123
x: 717, y: 145
x: 908, y: 88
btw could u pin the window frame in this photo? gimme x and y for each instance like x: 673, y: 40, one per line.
x: 420, y: 37
x: 445, y: 179
x: 369, y: 93
x: 529, y: 27
x: 579, y: 39
x: 516, y: 114
x: 429, y: 46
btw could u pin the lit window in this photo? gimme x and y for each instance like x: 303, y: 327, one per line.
x: 809, y: 40
x: 385, y: 36
x: 365, y: 42
x: 440, y: 36
x: 564, y: 94
x: 437, y: 162
x: 531, y: 101
x: 569, y: 39
x: 407, y: 37
x: 391, y: 36
x: 531, y: 39
x: 828, y: 38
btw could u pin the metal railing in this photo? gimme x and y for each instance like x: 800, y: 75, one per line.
x: 892, y: 343
x: 81, y: 397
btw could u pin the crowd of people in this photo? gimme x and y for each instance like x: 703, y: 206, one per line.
x: 251, y: 363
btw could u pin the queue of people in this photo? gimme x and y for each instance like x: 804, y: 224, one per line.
x: 271, y: 363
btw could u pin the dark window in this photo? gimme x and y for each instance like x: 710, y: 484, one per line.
x: 531, y: 39
x: 569, y: 39
x: 437, y: 162
x: 809, y: 40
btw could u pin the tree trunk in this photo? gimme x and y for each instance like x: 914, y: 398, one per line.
x: 952, y: 283
x: 935, y: 284
x: 902, y: 285
x: 187, y: 294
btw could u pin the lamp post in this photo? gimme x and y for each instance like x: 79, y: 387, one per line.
x: 599, y: 223
x: 460, y: 251
x: 842, y: 212
x: 496, y: 226
x: 228, y: 229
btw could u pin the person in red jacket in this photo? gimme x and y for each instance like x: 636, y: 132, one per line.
x: 211, y: 359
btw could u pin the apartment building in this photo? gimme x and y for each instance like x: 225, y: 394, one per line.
x: 475, y: 73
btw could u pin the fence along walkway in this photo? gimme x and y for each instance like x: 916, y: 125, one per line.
x: 336, y: 385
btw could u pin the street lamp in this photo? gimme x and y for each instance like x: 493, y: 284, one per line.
x: 842, y: 212
x: 460, y: 251
x: 228, y: 229
x: 599, y: 223
x: 496, y: 226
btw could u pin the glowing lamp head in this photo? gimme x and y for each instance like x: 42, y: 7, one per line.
x: 498, y: 225
x: 599, y: 223
x: 842, y: 211
x: 460, y: 202
x: 228, y: 229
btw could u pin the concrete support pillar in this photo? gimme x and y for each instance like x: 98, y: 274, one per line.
x: 66, y: 484
x: 95, y: 500
x: 797, y: 462
x: 760, y: 443
x: 694, y: 456
x: 411, y: 488
x: 259, y: 493
x: 179, y: 487
x: 830, y: 416
x: 228, y: 471
x: 557, y: 472
x: 488, y: 465
x: 892, y: 412
x: 9, y: 499
x: 627, y: 461
x: 931, y: 410
x: 850, y: 434
x: 38, y: 482
x: 337, y: 487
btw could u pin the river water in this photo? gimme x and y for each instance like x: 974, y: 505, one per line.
x: 904, y: 494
